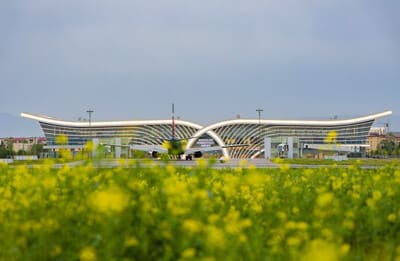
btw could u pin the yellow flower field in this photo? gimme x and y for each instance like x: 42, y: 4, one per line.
x: 201, y: 213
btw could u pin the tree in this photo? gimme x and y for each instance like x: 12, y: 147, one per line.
x: 387, y: 147
x: 36, y: 149
x: 5, y: 151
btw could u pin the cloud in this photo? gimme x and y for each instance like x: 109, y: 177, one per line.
x: 178, y: 33
x: 85, y: 50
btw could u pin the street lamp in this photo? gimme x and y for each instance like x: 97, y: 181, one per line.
x: 90, y: 116
x: 90, y: 121
x: 259, y: 121
x: 259, y: 114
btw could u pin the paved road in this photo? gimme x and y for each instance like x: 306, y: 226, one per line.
x: 234, y: 163
x: 259, y: 163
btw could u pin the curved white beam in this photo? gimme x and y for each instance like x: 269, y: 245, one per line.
x: 257, y: 153
x: 286, y: 123
x: 51, y: 120
x: 205, y: 130
x: 301, y: 122
x: 213, y: 135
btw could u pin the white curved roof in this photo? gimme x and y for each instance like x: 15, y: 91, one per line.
x: 208, y: 129
x: 302, y: 122
x: 289, y: 123
x: 50, y: 120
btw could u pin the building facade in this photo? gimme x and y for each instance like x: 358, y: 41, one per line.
x: 23, y: 144
x: 374, y: 140
x: 239, y: 138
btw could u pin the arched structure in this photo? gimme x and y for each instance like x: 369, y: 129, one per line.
x: 142, y: 132
x: 239, y: 138
x: 251, y: 132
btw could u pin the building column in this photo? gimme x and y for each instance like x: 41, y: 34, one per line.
x: 95, y: 142
x: 117, y: 143
x: 267, y: 147
x: 290, y: 147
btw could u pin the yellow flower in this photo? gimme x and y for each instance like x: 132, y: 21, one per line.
x: 112, y: 200
x: 344, y: 249
x: 215, y: 237
x: 284, y: 167
x: 243, y: 163
x: 391, y: 217
x: 62, y: 140
x: 89, y: 146
x: 376, y: 195
x: 327, y: 233
x: 138, y: 185
x: 88, y: 254
x: 290, y: 225
x: 213, y: 218
x: 131, y: 242
x: 200, y: 194
x: 331, y: 137
x: 188, y: 253
x: 242, y: 238
x: 322, y: 251
x: 257, y: 208
x: 49, y: 182
x: 191, y: 225
x: 348, y: 224
x: 21, y: 242
x: 201, y: 163
x: 325, y: 199
x: 281, y: 215
x: 56, y: 251
x: 171, y: 169
x: 302, y: 225
x: 293, y: 241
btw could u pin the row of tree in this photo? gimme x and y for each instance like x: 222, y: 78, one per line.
x: 387, y: 148
x: 6, y: 150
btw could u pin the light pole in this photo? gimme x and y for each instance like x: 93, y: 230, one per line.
x: 259, y: 114
x: 90, y: 116
x: 90, y: 121
x: 259, y: 122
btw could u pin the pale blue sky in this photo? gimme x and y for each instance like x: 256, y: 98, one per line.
x: 215, y: 59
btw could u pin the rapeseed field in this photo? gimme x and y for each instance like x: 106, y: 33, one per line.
x: 148, y: 212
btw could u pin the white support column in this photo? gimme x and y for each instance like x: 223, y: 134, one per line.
x: 267, y: 147
x: 95, y: 142
x: 290, y: 147
x: 117, y: 148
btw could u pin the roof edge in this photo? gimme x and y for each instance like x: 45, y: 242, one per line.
x: 47, y: 119
x: 50, y: 120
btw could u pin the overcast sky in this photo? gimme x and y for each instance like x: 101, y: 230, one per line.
x: 214, y: 59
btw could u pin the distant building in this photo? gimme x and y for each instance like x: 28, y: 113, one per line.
x: 377, y: 131
x: 23, y: 143
x: 238, y: 138
x: 374, y: 139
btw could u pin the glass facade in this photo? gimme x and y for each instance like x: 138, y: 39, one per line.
x: 250, y: 135
x: 253, y: 135
x: 238, y: 138
x: 135, y: 135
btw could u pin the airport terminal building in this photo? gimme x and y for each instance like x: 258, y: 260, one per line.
x: 238, y: 138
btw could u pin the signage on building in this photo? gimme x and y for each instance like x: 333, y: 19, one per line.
x: 205, y: 142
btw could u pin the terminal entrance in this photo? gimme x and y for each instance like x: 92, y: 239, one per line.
x: 281, y: 147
